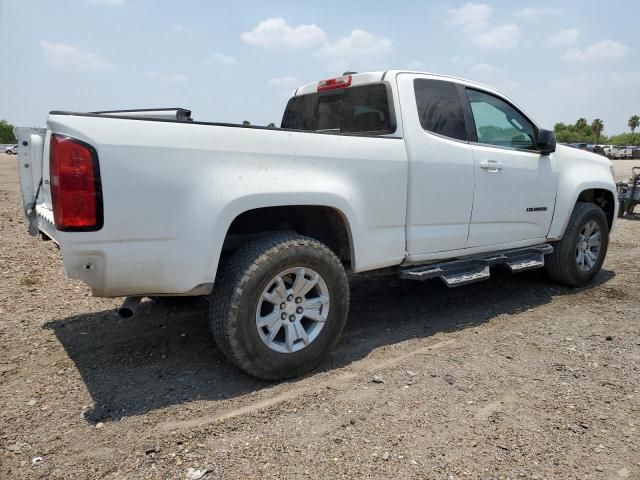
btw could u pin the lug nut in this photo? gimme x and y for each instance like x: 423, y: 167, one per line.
x: 290, y: 297
x: 299, y: 300
x: 292, y: 318
x: 299, y: 310
x: 283, y: 316
x: 283, y: 306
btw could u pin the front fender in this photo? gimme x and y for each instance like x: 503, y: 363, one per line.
x: 567, y: 199
x: 578, y: 171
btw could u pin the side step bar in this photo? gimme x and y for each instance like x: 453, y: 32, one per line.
x: 470, y: 270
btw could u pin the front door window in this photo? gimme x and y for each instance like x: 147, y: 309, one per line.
x: 498, y: 123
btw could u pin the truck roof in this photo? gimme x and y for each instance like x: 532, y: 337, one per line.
x: 371, y: 77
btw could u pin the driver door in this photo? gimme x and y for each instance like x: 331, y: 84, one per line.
x: 515, y: 186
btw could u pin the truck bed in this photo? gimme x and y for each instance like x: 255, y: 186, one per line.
x: 171, y: 188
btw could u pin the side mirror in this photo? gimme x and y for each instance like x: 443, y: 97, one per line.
x: 546, y: 142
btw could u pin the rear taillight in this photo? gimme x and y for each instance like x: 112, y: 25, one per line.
x: 76, y: 192
x: 334, y: 83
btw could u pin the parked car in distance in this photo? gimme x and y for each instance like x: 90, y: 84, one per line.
x: 11, y: 150
x: 625, y: 152
x: 400, y: 173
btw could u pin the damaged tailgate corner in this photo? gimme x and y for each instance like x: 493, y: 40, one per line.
x: 31, y: 149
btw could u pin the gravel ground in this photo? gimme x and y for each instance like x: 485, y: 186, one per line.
x: 622, y: 168
x: 510, y: 378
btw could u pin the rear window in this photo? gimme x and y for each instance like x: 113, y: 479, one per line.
x: 362, y: 109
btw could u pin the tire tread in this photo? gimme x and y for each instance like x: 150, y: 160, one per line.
x: 560, y: 264
x: 229, y: 287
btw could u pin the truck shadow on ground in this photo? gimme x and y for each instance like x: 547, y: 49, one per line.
x: 166, y: 356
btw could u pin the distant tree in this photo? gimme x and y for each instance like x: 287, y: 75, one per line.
x: 6, y: 132
x: 271, y: 125
x: 622, y: 139
x: 246, y: 122
x: 634, y: 122
x: 568, y: 133
x: 581, y: 124
x: 596, y: 127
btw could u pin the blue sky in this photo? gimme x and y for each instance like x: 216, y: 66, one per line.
x: 230, y: 61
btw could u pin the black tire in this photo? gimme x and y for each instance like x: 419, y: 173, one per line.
x: 561, y: 265
x: 239, y: 286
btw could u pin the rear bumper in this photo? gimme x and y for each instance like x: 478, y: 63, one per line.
x: 130, y: 269
x: 147, y: 267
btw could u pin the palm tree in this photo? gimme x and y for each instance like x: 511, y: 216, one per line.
x: 634, y: 122
x: 581, y: 124
x: 597, y: 126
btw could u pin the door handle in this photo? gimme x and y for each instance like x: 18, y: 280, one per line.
x: 491, y: 165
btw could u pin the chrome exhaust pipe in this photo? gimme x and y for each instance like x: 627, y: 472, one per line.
x: 129, y: 307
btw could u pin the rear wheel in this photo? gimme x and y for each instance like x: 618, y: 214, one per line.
x: 578, y: 257
x: 278, y: 305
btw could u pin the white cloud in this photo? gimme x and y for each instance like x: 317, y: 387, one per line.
x: 284, y: 82
x: 606, y: 50
x: 222, y: 59
x: 484, y: 70
x: 276, y: 32
x: 565, y: 37
x: 68, y: 56
x: 502, y: 36
x: 109, y: 2
x: 178, y: 27
x: 470, y: 16
x: 534, y: 12
x: 475, y: 21
x: 360, y: 50
x: 359, y: 43
x: 167, y: 77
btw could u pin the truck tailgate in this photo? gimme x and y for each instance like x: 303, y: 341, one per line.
x: 34, y: 178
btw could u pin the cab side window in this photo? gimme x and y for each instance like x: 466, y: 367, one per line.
x: 498, y: 123
x: 439, y: 108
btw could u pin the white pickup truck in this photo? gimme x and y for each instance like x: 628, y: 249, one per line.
x: 413, y: 174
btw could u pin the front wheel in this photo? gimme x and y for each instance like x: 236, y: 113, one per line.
x: 579, y: 255
x: 278, y: 305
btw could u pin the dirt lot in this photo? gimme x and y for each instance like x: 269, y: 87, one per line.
x: 622, y: 168
x: 510, y: 378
